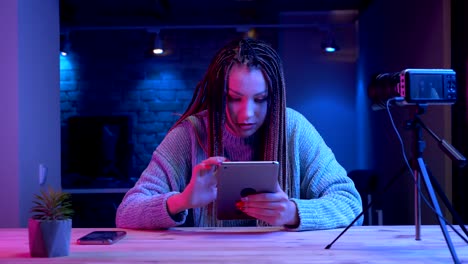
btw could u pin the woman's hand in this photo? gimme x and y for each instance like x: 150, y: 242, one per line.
x: 273, y: 208
x: 202, y: 188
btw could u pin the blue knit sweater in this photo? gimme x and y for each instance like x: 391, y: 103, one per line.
x: 325, y: 197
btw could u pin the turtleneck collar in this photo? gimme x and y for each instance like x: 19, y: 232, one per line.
x: 241, y: 148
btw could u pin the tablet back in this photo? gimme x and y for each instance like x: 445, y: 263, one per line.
x: 241, y: 178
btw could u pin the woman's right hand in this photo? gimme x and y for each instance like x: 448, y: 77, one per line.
x: 201, y: 190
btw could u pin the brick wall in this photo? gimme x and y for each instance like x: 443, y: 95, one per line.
x: 112, y: 72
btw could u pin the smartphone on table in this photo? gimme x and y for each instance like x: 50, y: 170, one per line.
x: 101, y: 237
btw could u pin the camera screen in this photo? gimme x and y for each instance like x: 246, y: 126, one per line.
x: 426, y: 86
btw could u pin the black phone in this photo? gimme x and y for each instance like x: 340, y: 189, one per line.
x: 101, y: 237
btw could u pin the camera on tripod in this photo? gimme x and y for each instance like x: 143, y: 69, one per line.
x: 414, y: 86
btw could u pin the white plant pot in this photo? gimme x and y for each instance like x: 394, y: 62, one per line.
x: 49, y: 238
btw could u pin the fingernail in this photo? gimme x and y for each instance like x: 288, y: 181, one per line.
x: 240, y: 205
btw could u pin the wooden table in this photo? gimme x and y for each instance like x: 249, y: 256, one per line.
x: 252, y: 245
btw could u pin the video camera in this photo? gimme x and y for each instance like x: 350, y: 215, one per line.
x: 414, y: 86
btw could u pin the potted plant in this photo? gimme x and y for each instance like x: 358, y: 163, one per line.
x: 50, y: 225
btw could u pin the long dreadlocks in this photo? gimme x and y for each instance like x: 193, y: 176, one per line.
x: 210, y: 94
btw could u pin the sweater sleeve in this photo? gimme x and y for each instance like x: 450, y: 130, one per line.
x: 144, y: 205
x: 328, y: 198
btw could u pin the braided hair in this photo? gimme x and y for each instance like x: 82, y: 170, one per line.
x: 210, y: 94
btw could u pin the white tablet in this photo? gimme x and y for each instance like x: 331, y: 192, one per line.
x: 237, y: 179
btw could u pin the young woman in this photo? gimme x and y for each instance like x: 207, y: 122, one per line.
x: 238, y: 112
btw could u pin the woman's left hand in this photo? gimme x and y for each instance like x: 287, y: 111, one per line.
x: 274, y: 208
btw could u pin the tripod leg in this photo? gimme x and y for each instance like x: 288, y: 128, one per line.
x: 435, y: 203
x: 440, y: 192
x: 417, y: 197
x: 417, y: 204
x: 366, y: 208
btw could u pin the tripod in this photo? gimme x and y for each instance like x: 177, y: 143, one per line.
x: 419, y: 168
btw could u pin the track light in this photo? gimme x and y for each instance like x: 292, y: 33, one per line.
x: 158, y: 48
x: 64, y: 45
x: 247, y: 32
x: 329, y: 44
x: 252, y: 33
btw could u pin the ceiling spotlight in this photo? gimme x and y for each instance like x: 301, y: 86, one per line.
x: 157, y: 45
x: 64, y: 45
x: 247, y: 31
x: 252, y: 33
x: 329, y: 44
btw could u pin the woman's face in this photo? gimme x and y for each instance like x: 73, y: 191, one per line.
x: 247, y: 100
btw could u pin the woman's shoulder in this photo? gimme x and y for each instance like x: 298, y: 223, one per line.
x: 186, y: 129
x: 196, y: 120
x: 193, y: 126
x: 295, y: 117
x: 297, y: 123
x: 291, y: 112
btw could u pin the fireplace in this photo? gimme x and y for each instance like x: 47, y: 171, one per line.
x: 98, y: 153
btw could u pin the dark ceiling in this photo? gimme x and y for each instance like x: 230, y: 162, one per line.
x: 191, y: 12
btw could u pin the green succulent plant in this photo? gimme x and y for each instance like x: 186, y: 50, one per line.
x: 52, y: 204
